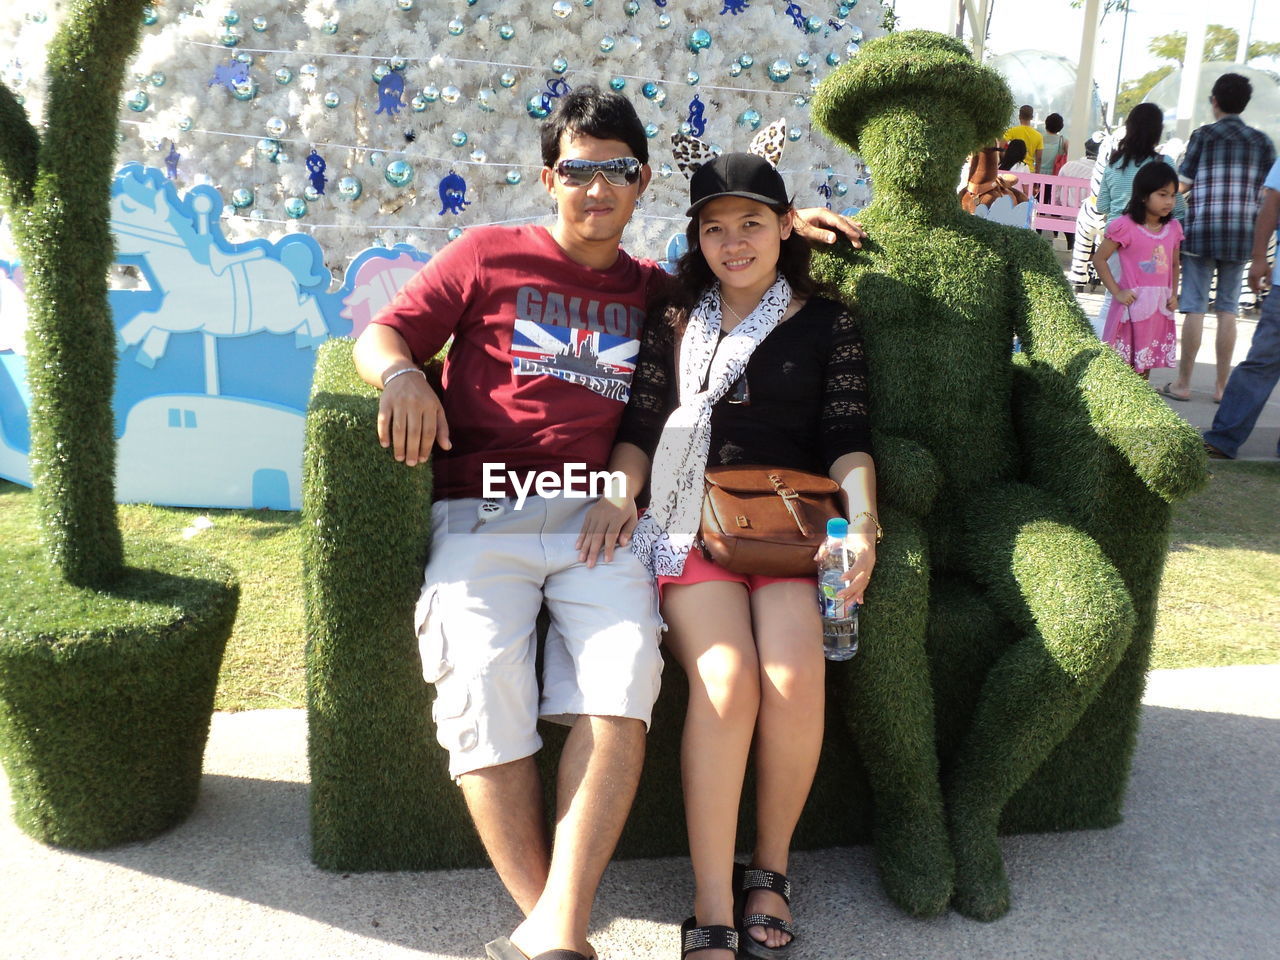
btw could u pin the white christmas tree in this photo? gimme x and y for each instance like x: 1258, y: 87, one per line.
x: 405, y: 121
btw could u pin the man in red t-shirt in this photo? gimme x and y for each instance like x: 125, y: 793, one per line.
x: 545, y: 326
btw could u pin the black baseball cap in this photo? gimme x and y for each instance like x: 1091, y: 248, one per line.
x: 737, y: 175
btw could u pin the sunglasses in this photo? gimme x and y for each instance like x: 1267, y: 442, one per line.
x: 621, y: 171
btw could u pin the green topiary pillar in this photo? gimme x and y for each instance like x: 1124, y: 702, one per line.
x: 56, y: 187
x: 107, y: 670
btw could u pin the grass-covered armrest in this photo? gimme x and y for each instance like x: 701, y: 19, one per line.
x: 378, y: 780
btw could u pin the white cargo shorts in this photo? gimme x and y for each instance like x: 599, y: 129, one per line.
x: 484, y: 586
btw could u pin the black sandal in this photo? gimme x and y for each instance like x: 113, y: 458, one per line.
x: 747, y: 879
x: 715, y: 937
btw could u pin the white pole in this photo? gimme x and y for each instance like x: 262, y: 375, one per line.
x: 1246, y: 34
x: 979, y: 26
x: 1191, y: 72
x: 1078, y: 126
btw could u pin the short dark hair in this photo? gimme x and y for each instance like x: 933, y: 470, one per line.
x: 1233, y: 92
x: 1026, y: 112
x: 1149, y: 178
x: 594, y: 113
x: 1053, y: 123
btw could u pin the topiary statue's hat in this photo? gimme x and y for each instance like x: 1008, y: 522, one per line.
x: 909, y: 65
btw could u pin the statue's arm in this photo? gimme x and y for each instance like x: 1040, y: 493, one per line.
x: 1164, y: 450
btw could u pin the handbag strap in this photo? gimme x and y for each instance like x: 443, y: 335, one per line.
x: 789, y: 498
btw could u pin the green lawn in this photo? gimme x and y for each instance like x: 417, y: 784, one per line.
x: 1218, y: 603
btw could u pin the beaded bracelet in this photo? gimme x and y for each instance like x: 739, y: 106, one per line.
x: 871, y: 517
x: 387, y: 380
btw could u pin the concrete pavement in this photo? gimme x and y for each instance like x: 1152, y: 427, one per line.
x: 1193, y: 873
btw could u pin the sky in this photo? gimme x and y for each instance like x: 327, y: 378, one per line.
x: 1055, y: 27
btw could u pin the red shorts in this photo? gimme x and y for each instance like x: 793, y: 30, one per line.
x: 698, y: 569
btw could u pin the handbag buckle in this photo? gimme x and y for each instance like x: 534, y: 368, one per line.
x: 743, y: 521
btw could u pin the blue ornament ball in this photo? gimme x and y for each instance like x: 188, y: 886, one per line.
x: 536, y: 108
x: 149, y: 16
x: 185, y: 124
x: 794, y: 134
x: 814, y: 24
x: 350, y: 188
x: 631, y: 7
x: 735, y: 69
x: 561, y: 9
x: 450, y: 94
x: 487, y: 99
x: 749, y: 118
x: 513, y: 177
x: 454, y: 233
x: 331, y: 100
x: 398, y: 63
x: 268, y: 149
x: 242, y: 198
x: 259, y: 24
x: 295, y: 208
x: 245, y: 90
x: 650, y: 90
x: 380, y: 71
x: 833, y: 59
x: 507, y: 80
x: 329, y: 27
x: 277, y: 127
x: 664, y: 171
x: 802, y: 59
x: 506, y: 31
x: 308, y: 71
x: 841, y: 188
x: 607, y: 44
x: 283, y: 76
x: 376, y: 158
x: 692, y: 78
x: 650, y: 130
x: 699, y: 40
x: 418, y: 103
x: 158, y: 78
x: 780, y: 71
x: 399, y: 173
x: 458, y: 138
x: 139, y: 101
x: 664, y: 21
x: 311, y: 193
x: 456, y: 27
x: 559, y: 65
x: 431, y: 93
x: 231, y: 18
x: 618, y: 84
x: 230, y: 38
x: 747, y: 60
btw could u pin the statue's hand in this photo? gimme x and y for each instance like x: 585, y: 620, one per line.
x: 907, y: 475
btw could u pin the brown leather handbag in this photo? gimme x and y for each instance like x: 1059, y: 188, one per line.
x: 767, y: 520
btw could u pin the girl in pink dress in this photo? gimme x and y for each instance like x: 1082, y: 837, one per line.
x: 1140, y: 325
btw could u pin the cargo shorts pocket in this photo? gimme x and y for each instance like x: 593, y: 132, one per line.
x: 456, y: 728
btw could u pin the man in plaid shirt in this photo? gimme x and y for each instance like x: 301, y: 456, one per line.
x: 1223, y: 168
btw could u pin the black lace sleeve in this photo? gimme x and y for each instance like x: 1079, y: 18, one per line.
x: 846, y: 424
x: 652, y: 387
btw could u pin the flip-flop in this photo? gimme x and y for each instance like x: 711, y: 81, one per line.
x: 504, y: 949
x: 1166, y: 392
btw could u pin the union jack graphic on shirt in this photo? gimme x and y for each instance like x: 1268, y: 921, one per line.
x: 601, y: 362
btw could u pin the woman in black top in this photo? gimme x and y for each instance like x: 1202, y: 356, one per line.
x: 746, y: 366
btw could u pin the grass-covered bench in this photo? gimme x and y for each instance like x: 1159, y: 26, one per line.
x: 381, y: 796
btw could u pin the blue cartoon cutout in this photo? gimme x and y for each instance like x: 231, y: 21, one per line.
x: 453, y: 194
x: 390, y: 94
x: 316, y: 164
x: 697, y: 122
x: 216, y: 349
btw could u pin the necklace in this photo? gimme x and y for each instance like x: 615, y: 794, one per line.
x: 732, y: 312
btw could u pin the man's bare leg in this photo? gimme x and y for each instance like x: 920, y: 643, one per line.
x: 1224, y: 347
x: 599, y: 772
x: 506, y: 805
x: 1192, y: 331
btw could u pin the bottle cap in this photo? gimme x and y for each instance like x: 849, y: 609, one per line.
x: 837, y: 527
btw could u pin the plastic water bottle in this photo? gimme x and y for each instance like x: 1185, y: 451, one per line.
x: 839, y: 618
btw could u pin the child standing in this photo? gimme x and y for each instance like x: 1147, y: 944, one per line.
x: 1140, y: 324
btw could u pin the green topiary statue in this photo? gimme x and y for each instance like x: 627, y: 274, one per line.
x: 1025, y: 496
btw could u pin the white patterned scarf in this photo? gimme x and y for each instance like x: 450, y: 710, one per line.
x: 663, y: 537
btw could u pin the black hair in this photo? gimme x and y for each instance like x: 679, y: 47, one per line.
x: 1233, y: 92
x: 594, y: 113
x: 1142, y: 130
x: 1026, y: 112
x: 694, y: 274
x: 1149, y: 178
x: 1053, y: 123
x: 1016, y: 152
